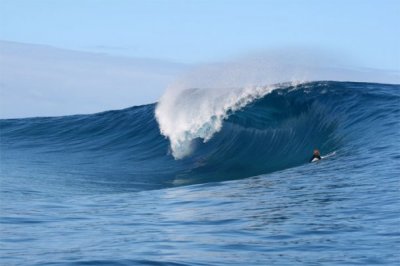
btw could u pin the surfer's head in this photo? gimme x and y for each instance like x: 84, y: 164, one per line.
x: 316, y: 152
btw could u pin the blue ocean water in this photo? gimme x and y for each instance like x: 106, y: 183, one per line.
x: 105, y: 189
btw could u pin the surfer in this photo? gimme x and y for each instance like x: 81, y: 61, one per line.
x: 316, y: 156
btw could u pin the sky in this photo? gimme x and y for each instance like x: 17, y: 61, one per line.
x: 183, y: 33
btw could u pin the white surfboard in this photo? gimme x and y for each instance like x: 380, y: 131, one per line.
x: 328, y: 155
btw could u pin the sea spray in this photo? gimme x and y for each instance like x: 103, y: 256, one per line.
x: 195, y: 105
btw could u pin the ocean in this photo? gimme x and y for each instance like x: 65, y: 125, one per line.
x: 193, y: 182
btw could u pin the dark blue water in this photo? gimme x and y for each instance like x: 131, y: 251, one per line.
x: 104, y: 189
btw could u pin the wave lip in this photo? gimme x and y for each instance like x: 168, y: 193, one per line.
x: 189, y: 114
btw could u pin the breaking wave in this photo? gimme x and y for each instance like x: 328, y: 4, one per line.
x: 207, y: 135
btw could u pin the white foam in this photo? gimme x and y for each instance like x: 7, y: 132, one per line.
x: 184, y: 115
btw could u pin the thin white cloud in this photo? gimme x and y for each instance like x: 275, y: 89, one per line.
x: 38, y: 80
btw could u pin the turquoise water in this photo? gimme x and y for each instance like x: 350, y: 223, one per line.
x: 104, y: 189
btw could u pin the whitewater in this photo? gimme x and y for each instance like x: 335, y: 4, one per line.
x: 209, y: 175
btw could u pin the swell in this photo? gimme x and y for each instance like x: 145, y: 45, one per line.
x: 125, y: 150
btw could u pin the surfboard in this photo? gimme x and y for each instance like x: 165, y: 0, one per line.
x: 328, y: 155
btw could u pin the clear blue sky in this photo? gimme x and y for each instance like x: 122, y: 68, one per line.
x: 200, y: 31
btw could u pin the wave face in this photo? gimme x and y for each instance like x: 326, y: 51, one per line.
x: 244, y: 133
